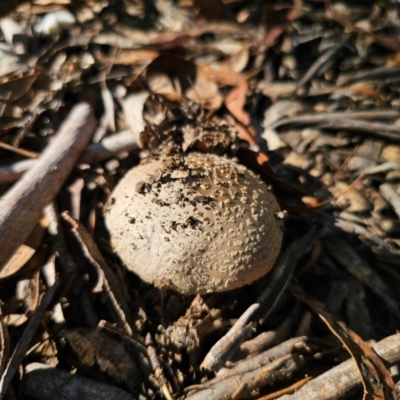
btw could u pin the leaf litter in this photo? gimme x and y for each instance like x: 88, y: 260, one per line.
x: 305, y: 93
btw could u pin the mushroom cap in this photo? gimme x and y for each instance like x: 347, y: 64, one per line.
x: 199, y: 223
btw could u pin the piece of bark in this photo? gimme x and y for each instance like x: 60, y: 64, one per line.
x: 21, y: 206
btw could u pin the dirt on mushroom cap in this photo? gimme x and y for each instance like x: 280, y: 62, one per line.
x: 197, y: 223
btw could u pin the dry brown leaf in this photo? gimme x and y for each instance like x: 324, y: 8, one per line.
x: 235, y: 102
x: 12, y: 88
x: 367, y: 91
x: 135, y: 57
x: 17, y: 261
x: 25, y: 252
x: 176, y: 79
x: 224, y: 76
x: 246, y: 133
x: 393, y: 60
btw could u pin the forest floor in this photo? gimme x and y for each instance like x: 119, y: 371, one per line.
x: 308, y: 94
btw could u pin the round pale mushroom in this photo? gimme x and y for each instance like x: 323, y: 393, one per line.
x: 198, y: 223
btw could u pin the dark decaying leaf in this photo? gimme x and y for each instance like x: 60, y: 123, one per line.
x: 46, y: 383
x: 99, y: 354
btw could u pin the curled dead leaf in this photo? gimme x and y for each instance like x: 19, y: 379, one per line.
x: 14, y: 87
x: 176, y: 79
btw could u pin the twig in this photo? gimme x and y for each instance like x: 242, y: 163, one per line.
x: 237, y: 386
x: 162, y: 381
x: 50, y: 276
x: 25, y: 341
x: 72, y: 282
x: 296, y: 344
x: 340, y: 381
x: 391, y: 196
x: 266, y: 340
x: 368, y: 74
x: 4, y: 343
x: 374, y: 128
x: 344, y: 121
x: 21, y: 206
x: 317, y: 65
x: 111, y: 284
x: 17, y: 150
x: 379, y: 246
x: 308, y: 119
x: 108, y: 147
x: 12, y: 172
x: 225, y: 347
x: 289, y: 389
x: 382, y: 168
x: 361, y: 269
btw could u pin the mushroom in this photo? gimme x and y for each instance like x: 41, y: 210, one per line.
x: 197, y: 223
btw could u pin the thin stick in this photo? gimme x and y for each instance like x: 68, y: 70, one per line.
x: 308, y: 119
x: 340, y: 381
x: 390, y: 195
x: 21, y: 206
x: 26, y: 339
x: 220, y: 353
x: 123, y: 141
x: 317, y: 65
x: 332, y: 121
